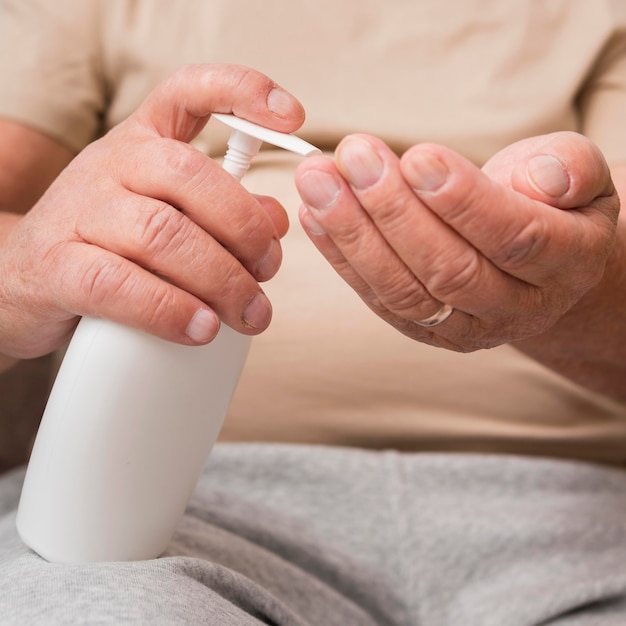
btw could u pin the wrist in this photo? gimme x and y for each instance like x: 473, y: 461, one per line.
x: 587, y: 343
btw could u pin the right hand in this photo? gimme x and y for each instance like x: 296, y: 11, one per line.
x: 145, y: 230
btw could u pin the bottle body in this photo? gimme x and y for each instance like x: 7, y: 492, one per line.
x: 129, y: 424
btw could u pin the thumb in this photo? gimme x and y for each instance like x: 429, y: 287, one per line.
x: 180, y: 106
x: 563, y: 169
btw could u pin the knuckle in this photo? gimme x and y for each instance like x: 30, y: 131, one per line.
x: 351, y: 241
x: 104, y: 280
x: 403, y: 294
x: 231, y: 78
x: 162, y: 309
x: 185, y: 161
x: 161, y: 229
x: 251, y: 82
x: 107, y: 282
x: 523, y: 247
x: 391, y: 215
x: 253, y: 227
x: 242, y: 76
x: 232, y: 284
x: 453, y: 276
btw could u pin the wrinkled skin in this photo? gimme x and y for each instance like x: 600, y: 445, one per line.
x: 411, y: 233
x: 146, y: 230
x: 528, y: 249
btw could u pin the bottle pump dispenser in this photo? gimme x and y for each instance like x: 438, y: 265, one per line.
x: 130, y: 422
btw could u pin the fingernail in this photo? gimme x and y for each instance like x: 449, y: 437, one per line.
x: 359, y: 163
x: 548, y: 175
x: 269, y: 264
x: 203, y: 326
x: 425, y: 172
x: 318, y: 189
x: 258, y: 313
x: 280, y: 102
x: 310, y: 224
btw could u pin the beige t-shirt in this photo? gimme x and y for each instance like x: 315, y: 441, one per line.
x: 473, y: 74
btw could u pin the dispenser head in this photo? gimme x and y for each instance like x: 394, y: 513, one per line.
x: 286, y: 141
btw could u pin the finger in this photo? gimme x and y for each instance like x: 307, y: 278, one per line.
x: 165, y: 242
x: 328, y: 213
x: 60, y: 282
x: 355, y: 247
x: 440, y: 262
x: 95, y: 282
x: 337, y: 260
x: 564, y: 169
x: 331, y: 216
x: 111, y: 286
x: 276, y: 213
x: 182, y: 104
x: 524, y: 238
x: 183, y: 177
x: 451, y: 270
x: 373, y: 236
x: 344, y: 268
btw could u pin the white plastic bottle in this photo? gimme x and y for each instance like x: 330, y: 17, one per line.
x: 130, y: 422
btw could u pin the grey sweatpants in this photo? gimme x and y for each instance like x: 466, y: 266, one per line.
x: 329, y: 536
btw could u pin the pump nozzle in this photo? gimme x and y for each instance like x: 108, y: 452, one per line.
x: 245, y: 142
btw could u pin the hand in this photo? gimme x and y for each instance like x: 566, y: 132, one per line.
x: 145, y: 230
x: 512, y: 247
